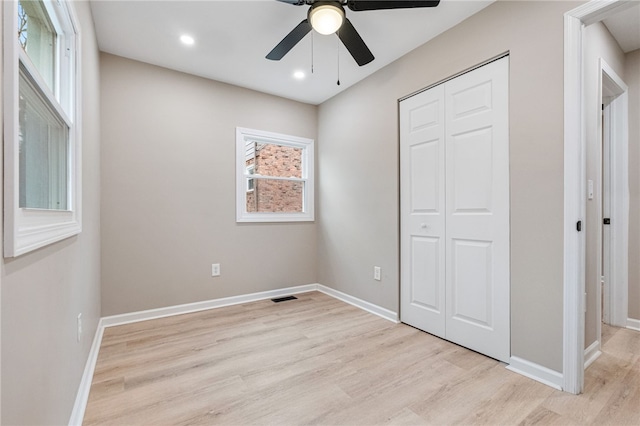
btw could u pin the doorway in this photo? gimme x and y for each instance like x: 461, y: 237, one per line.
x: 609, y: 230
x: 575, y: 181
x: 615, y: 206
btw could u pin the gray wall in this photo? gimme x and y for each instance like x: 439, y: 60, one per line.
x: 358, y: 160
x: 632, y: 78
x: 43, y: 291
x: 598, y: 43
x: 168, y: 193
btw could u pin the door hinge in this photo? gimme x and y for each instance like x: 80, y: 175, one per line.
x: 606, y: 221
x: 579, y: 226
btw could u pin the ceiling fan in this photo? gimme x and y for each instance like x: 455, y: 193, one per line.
x: 328, y: 17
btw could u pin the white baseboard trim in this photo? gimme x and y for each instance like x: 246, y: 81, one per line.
x: 536, y: 372
x: 188, y: 308
x: 77, y: 414
x: 633, y: 324
x: 362, y: 304
x: 592, y: 353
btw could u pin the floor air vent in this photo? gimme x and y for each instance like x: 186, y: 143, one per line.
x: 284, y: 299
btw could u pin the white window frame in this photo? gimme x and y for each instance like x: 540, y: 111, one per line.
x: 27, y: 229
x: 243, y: 135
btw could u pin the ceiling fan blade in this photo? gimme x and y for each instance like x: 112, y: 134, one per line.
x: 289, y: 41
x: 354, y: 43
x: 360, y: 5
x: 294, y: 2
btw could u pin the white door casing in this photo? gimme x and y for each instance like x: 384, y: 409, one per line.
x: 472, y: 181
x: 605, y: 243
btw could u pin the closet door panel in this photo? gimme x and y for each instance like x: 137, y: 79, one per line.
x: 477, y: 212
x: 422, y: 211
x: 473, y: 171
x: 471, y: 296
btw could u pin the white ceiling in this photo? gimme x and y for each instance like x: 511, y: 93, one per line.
x: 625, y: 28
x: 232, y: 38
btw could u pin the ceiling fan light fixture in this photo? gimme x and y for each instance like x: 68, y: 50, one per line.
x: 326, y: 18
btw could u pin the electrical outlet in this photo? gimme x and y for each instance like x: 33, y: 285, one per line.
x: 79, y: 325
x: 376, y: 273
x: 215, y: 269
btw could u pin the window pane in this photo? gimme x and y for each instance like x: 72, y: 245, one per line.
x: 38, y: 38
x: 275, y: 196
x: 250, y: 171
x: 43, y: 152
x: 277, y: 160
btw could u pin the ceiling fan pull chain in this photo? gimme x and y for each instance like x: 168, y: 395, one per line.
x: 338, y: 50
x: 311, y: 52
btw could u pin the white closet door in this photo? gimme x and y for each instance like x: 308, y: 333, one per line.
x: 422, y: 157
x: 454, y: 210
x: 477, y: 213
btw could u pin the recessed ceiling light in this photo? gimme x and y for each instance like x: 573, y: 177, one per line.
x: 187, y: 39
x: 298, y: 75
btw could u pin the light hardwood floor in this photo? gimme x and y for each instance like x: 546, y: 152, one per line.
x: 317, y: 360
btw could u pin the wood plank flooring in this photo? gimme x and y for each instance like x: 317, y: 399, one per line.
x: 319, y: 361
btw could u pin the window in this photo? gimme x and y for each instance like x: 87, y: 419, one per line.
x: 274, y: 177
x: 41, y: 132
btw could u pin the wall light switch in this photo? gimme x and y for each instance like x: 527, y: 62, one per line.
x: 590, y: 189
x: 376, y: 273
x: 79, y: 327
